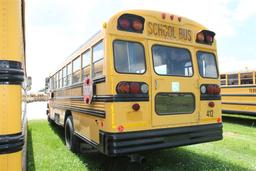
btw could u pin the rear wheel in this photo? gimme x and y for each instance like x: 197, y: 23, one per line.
x: 49, y: 120
x: 72, y: 141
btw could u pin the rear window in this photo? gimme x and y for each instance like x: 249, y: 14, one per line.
x: 172, y: 61
x: 207, y: 65
x: 174, y: 103
x: 129, y: 57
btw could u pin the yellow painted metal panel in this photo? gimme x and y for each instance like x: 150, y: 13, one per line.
x: 11, y: 162
x: 11, y: 37
x: 10, y: 109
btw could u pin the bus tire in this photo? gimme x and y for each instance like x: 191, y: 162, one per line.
x: 71, y: 140
x: 49, y: 120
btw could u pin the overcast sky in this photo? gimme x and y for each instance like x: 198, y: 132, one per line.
x: 55, y: 28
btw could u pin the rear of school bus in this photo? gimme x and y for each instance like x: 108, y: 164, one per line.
x: 11, y: 77
x: 163, y: 75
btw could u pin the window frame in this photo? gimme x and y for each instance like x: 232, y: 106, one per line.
x: 240, y: 76
x: 79, y: 59
x: 238, y: 80
x: 68, y: 75
x: 143, y: 48
x: 92, y: 63
x: 223, y: 79
x: 192, y: 64
x: 177, y: 113
x: 89, y: 51
x: 215, y: 59
x: 82, y: 55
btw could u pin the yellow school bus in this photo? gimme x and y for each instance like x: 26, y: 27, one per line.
x: 12, y: 73
x: 238, y: 91
x: 148, y: 80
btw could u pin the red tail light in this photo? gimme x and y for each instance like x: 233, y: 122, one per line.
x: 123, y: 88
x: 210, y: 89
x: 137, y: 25
x: 163, y: 15
x: 205, y: 37
x: 135, y: 88
x: 124, y: 23
x: 131, y: 23
x: 213, y: 89
x: 132, y: 88
x: 200, y: 37
x: 209, y: 39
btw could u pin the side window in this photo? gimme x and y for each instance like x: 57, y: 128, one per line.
x: 233, y: 79
x: 254, y: 77
x: 52, y: 83
x: 69, y: 74
x: 223, y: 79
x: 98, y: 56
x: 64, y: 75
x: 246, y: 78
x: 60, y: 79
x: 86, y: 60
x: 76, y: 70
x: 57, y: 79
x: 129, y: 57
x: 207, y: 65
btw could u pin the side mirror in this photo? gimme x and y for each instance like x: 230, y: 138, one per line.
x: 47, y: 80
x: 29, y: 83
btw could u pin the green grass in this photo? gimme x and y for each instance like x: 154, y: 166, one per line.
x: 46, y: 151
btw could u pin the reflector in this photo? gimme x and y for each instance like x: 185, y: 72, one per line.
x: 136, y: 107
x: 211, y: 104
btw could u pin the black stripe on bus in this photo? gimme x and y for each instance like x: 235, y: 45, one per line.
x: 80, y: 84
x: 247, y: 86
x: 93, y: 112
x: 11, y: 143
x: 210, y: 97
x: 243, y: 95
x: 110, y: 98
x: 239, y: 103
x: 99, y: 80
x: 239, y: 112
x: 11, y: 72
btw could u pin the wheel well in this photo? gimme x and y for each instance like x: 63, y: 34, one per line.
x: 67, y: 113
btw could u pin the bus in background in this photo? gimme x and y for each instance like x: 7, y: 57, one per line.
x: 12, y: 88
x: 148, y: 80
x: 238, y: 91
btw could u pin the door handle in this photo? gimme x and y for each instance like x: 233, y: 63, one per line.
x: 156, y: 84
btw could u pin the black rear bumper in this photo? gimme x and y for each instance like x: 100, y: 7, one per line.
x: 115, y: 144
x: 11, y: 143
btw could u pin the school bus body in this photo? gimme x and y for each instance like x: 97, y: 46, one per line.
x: 12, y: 68
x: 238, y: 93
x: 110, y: 123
